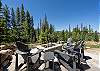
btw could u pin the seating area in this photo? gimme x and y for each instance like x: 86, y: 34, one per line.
x: 71, y: 57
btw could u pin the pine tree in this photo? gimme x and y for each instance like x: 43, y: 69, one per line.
x: 38, y: 32
x: 1, y: 11
x: 13, y: 22
x: 40, y: 26
x: 18, y: 24
x: 85, y: 32
x: 22, y: 14
x: 29, y: 33
x: 32, y: 31
x: 89, y: 35
x: 0, y: 4
x: 45, y: 25
x: 7, y: 16
x: 22, y: 24
x: 1, y: 23
x: 8, y: 25
x: 63, y: 35
x: 66, y: 35
x: 28, y: 24
x: 51, y: 29
x: 69, y: 32
x: 76, y: 33
x: 96, y: 37
x: 44, y: 36
x: 81, y: 34
x: 51, y: 34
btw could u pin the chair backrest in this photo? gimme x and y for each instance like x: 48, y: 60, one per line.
x: 79, y: 46
x: 22, y: 46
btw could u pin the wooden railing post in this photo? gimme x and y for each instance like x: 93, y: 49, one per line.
x: 16, y: 64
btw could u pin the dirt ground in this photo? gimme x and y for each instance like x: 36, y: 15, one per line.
x: 93, y: 63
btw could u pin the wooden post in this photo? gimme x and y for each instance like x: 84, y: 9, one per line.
x: 53, y: 64
x: 45, y: 65
x: 39, y: 57
x: 79, y: 60
x: 28, y: 61
x: 74, y: 64
x: 16, y: 64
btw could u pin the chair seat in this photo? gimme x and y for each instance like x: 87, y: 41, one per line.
x: 49, y: 56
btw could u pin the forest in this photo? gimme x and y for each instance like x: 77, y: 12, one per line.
x: 18, y: 25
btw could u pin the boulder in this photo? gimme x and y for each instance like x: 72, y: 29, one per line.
x: 5, y: 47
x: 5, y: 57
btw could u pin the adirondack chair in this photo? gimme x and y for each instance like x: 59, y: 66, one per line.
x: 24, y: 51
x: 67, y: 60
x: 77, y: 50
x: 69, y: 46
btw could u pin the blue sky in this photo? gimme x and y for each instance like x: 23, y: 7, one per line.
x: 61, y: 13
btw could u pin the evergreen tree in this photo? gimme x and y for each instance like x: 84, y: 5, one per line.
x: 89, y: 35
x: 24, y: 34
x: 85, y: 32
x: 38, y: 32
x: 32, y: 31
x: 69, y: 33
x: 81, y: 34
x: 22, y: 14
x: 51, y: 35
x: 96, y: 37
x: 51, y: 29
x: 66, y: 35
x: 45, y: 25
x: 18, y: 24
x: 7, y: 16
x: 7, y: 25
x: 1, y: 23
x: 40, y: 26
x: 0, y: 4
x: 28, y: 18
x: 44, y: 36
x: 63, y: 35
x: 23, y: 25
x: 13, y: 22
x: 29, y: 33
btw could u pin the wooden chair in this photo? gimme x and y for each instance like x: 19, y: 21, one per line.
x: 24, y: 51
x: 67, y: 60
x: 78, y: 51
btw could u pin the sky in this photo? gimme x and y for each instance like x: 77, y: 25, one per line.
x: 61, y: 13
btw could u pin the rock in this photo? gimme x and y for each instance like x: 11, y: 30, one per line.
x: 5, y: 47
x: 12, y: 47
x: 6, y: 57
